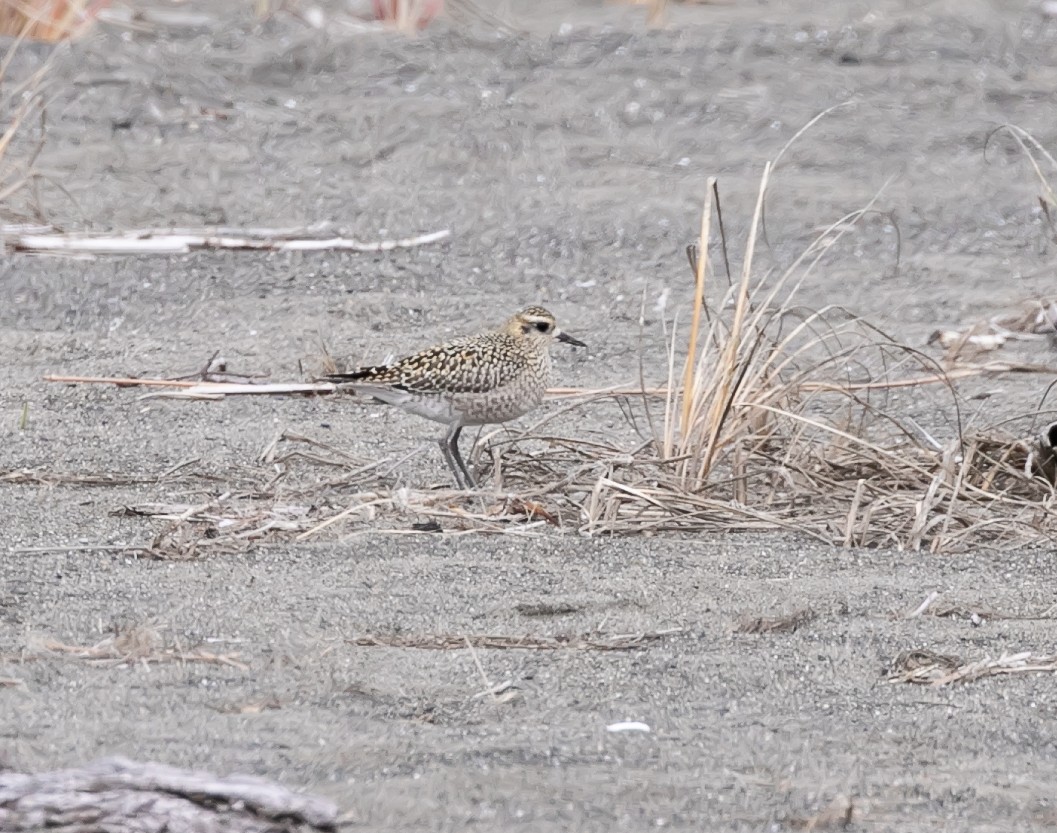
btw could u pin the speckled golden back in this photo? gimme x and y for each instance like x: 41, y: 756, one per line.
x: 472, y: 364
x: 518, y: 352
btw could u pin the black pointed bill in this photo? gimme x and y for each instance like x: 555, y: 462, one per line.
x: 568, y: 339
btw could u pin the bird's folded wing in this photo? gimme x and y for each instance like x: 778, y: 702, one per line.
x: 470, y: 366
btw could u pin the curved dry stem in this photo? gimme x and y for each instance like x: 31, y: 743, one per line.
x: 1030, y: 146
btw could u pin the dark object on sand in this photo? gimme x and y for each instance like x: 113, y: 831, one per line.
x: 1045, y: 453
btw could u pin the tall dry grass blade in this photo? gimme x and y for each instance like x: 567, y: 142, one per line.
x: 701, y: 272
x: 671, y: 427
x: 730, y: 366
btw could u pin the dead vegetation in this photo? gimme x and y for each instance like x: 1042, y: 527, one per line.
x: 1033, y: 322
x: 530, y: 642
x: 772, y: 418
x: 786, y: 623
x: 925, y: 667
x: 22, y: 103
x: 136, y: 645
x: 783, y: 419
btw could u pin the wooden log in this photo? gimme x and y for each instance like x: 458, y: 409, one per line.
x: 119, y: 794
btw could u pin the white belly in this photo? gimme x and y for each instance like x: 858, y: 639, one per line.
x: 499, y: 405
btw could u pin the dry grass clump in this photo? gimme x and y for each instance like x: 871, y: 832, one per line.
x: 776, y: 418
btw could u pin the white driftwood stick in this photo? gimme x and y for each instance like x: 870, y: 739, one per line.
x: 216, y: 389
x: 197, y: 390
x: 925, y: 605
x: 152, y: 242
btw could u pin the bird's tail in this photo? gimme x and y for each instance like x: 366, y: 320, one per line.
x: 361, y: 374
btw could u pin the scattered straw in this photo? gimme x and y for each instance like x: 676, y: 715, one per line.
x: 453, y: 642
x: 44, y: 477
x: 979, y: 613
x: 937, y: 670
x: 777, y: 624
x: 130, y: 646
x: 548, y: 608
x: 791, y: 471
x: 1033, y: 322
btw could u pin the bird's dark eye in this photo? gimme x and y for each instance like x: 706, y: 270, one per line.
x: 543, y: 326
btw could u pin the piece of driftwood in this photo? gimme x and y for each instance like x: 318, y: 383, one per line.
x: 184, y: 389
x: 161, y: 242
x: 555, y: 642
x: 133, y: 797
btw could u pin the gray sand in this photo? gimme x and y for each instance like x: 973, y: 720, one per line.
x: 570, y: 166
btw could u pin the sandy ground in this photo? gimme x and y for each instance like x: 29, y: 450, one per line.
x: 569, y: 163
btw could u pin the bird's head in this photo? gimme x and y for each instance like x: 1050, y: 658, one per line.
x: 538, y: 325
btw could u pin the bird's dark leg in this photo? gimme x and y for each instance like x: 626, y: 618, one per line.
x: 449, y: 445
x: 445, y: 449
x: 470, y: 481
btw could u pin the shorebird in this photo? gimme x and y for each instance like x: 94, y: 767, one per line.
x: 492, y: 377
